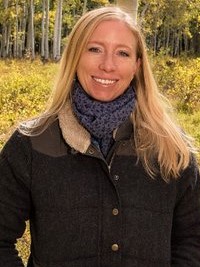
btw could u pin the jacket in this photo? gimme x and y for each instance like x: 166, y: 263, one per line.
x: 86, y: 211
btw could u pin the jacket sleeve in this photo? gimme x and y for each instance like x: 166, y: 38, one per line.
x: 14, y: 197
x: 186, y: 222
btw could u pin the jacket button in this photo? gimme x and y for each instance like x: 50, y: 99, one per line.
x: 116, y: 177
x: 115, y: 211
x: 115, y: 247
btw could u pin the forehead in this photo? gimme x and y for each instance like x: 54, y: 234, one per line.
x: 113, y: 31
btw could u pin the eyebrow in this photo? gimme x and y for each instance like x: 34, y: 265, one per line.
x: 102, y: 43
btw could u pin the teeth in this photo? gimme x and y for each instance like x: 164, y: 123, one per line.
x: 102, y: 81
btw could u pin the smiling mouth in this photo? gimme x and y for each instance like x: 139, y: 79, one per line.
x: 105, y: 81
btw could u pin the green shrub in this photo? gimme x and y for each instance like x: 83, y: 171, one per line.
x: 25, y: 88
x: 179, y: 79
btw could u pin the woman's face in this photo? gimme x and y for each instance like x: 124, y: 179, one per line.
x: 108, y: 63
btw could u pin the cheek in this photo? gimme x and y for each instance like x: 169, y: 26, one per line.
x: 133, y: 71
x: 81, y: 71
x: 78, y: 69
x: 81, y: 64
x: 86, y: 62
x: 130, y: 73
x: 129, y: 70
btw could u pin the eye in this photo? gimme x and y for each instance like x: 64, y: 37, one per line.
x: 123, y: 53
x: 94, y: 49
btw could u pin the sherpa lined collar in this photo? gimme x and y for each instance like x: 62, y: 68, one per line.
x: 78, y: 137
x: 73, y: 132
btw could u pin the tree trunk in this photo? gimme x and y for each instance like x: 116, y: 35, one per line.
x: 155, y: 43
x: 173, y: 43
x: 8, y: 46
x: 168, y: 38
x: 84, y: 7
x: 57, y: 32
x: 4, y: 39
x: 20, y: 38
x: 31, y: 34
x: 43, y: 28
x: 177, y: 41
x: 185, y: 43
x: 45, y: 31
x: 130, y: 6
x: 4, y: 43
x: 46, y: 45
x: 16, y: 31
x: 195, y: 42
x: 24, y: 21
x: 143, y: 13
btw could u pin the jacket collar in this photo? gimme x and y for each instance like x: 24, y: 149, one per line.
x: 78, y: 137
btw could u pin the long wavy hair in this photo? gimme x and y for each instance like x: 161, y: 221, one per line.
x: 157, y: 138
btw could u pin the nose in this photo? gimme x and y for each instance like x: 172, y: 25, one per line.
x: 107, y: 63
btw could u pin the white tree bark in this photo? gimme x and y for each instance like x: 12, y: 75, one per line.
x: 130, y: 6
x: 24, y: 21
x: 57, y: 32
x: 31, y: 33
x: 46, y: 46
x: 5, y: 35
x: 45, y: 31
x: 16, y: 34
x: 43, y: 28
x: 84, y: 7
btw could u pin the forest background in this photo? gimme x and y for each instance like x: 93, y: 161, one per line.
x: 33, y: 34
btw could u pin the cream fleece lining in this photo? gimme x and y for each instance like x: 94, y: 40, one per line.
x: 74, y: 134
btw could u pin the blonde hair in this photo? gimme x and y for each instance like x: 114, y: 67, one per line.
x: 156, y: 138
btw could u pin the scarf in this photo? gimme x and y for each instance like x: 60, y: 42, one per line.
x: 102, y: 118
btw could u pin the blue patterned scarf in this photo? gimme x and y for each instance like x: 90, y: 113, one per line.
x: 101, y: 118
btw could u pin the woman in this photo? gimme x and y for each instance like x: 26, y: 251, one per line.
x: 104, y: 175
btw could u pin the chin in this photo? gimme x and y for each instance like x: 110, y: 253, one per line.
x: 103, y: 99
x: 103, y: 96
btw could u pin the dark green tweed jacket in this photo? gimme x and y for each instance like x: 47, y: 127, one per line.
x: 86, y: 211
